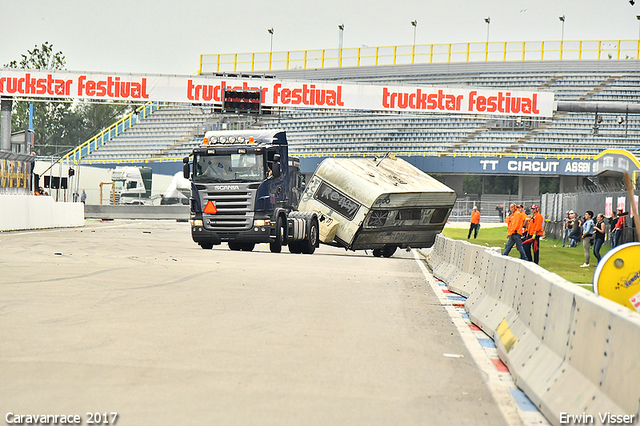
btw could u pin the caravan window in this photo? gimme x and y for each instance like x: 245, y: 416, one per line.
x: 409, y: 214
x: 439, y: 215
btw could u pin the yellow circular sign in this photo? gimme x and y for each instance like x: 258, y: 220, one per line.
x: 617, y: 276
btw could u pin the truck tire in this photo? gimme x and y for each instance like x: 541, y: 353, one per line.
x: 235, y: 246
x: 247, y: 246
x: 206, y: 246
x: 377, y: 252
x: 388, y: 251
x: 276, y: 246
x: 295, y: 247
x: 309, y: 244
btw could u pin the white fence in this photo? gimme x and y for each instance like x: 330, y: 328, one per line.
x: 488, y: 207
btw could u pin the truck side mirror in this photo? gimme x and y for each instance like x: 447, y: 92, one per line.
x: 275, y: 166
x: 185, y: 167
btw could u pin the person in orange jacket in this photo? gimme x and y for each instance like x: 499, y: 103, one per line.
x: 535, y: 232
x: 475, y: 223
x: 515, y: 222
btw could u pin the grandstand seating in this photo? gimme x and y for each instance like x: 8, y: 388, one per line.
x: 173, y: 130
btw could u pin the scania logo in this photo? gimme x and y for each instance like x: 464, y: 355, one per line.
x: 226, y: 187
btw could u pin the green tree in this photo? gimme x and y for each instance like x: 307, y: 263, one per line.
x: 59, y: 124
x: 48, y: 115
x: 88, y: 118
x: 472, y: 184
x: 549, y: 185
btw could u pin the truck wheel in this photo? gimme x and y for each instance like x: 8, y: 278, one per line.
x: 309, y: 245
x: 206, y: 246
x: 388, y: 251
x: 294, y: 247
x: 377, y: 252
x: 235, y: 246
x: 248, y: 246
x: 276, y: 246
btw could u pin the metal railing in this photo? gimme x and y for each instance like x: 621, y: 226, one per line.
x: 421, y: 54
x: 147, y: 160
x: 111, y: 132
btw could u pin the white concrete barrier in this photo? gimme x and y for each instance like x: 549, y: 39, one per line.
x: 463, y: 281
x: 38, y: 212
x: 435, y: 256
x: 573, y: 353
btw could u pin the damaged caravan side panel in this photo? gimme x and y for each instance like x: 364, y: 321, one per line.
x: 380, y: 204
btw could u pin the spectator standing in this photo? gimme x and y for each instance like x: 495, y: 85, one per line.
x: 500, y: 209
x: 475, y: 223
x: 525, y: 220
x: 83, y: 197
x: 612, y: 226
x: 515, y: 222
x: 574, y: 236
x: 598, y: 236
x: 587, y: 236
x: 535, y: 231
x: 617, y: 230
x: 566, y: 227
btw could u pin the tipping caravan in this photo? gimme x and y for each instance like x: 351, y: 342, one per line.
x: 377, y: 203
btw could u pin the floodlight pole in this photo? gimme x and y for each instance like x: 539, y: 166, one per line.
x: 413, y: 51
x: 562, y: 39
x: 415, y: 28
x: 340, y: 35
x: 270, y: 31
x: 486, y: 47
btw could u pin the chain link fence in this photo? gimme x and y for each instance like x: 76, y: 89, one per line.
x: 493, y: 208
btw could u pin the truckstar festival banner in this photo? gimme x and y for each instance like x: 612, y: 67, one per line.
x: 275, y: 93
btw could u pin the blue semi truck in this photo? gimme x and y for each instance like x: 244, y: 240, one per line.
x: 245, y: 190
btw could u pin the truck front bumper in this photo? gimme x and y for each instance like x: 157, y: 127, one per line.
x: 259, y: 233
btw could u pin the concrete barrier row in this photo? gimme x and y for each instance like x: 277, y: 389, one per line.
x: 170, y: 212
x: 572, y: 352
x: 19, y: 212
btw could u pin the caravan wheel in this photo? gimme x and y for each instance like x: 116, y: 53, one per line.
x: 388, y: 251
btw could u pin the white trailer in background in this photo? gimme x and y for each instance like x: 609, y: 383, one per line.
x: 132, y: 185
x: 377, y: 203
x: 178, y: 191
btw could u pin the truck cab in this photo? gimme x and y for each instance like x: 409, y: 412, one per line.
x: 244, y: 189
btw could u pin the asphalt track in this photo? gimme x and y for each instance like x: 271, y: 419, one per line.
x: 133, y: 317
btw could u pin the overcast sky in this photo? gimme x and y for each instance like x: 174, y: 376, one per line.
x: 168, y: 37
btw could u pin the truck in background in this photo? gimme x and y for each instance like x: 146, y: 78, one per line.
x: 245, y: 189
x: 178, y: 191
x: 132, y: 185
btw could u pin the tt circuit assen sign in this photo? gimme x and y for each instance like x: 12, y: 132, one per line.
x: 275, y: 93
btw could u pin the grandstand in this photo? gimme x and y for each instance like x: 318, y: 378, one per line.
x: 169, y: 133
x: 172, y: 130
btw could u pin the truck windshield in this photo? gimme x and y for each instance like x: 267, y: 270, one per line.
x: 228, y: 168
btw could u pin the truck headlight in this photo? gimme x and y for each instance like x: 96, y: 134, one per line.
x: 196, y: 222
x: 260, y: 222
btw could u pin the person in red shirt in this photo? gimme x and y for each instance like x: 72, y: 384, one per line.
x: 515, y: 222
x: 475, y: 223
x: 535, y: 232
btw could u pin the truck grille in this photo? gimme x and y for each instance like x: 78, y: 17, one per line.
x: 235, y: 211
